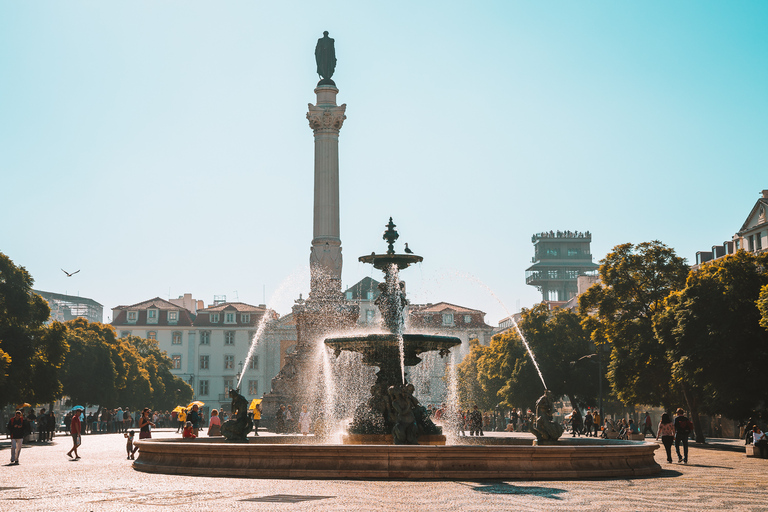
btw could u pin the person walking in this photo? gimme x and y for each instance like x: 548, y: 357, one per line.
x: 666, y: 430
x: 16, y: 431
x: 683, y: 427
x: 588, y: 422
x: 475, y: 422
x: 75, y: 430
x: 647, y: 426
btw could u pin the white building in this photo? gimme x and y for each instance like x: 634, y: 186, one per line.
x: 208, y: 349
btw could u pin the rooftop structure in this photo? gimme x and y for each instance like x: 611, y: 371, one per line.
x: 66, y: 307
x: 560, y: 257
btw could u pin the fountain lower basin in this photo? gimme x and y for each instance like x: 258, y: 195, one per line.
x: 271, y: 458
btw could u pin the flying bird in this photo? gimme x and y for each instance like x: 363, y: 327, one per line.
x: 407, y: 250
x: 70, y: 275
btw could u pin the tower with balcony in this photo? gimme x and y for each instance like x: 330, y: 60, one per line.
x: 560, y: 257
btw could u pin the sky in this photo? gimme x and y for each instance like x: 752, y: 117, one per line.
x: 162, y: 147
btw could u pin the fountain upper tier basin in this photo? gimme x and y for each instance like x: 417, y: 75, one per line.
x: 384, y: 261
x: 378, y: 349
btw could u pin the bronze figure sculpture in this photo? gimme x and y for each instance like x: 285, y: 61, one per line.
x: 236, y: 428
x: 325, y: 56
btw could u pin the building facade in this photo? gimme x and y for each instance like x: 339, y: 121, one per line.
x: 752, y: 237
x: 559, y: 259
x: 66, y: 307
x: 209, y: 349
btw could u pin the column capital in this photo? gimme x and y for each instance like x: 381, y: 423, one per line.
x: 326, y: 118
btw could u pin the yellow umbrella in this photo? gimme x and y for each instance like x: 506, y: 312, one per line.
x: 254, y: 403
x: 178, y: 409
x: 197, y: 403
x: 21, y: 406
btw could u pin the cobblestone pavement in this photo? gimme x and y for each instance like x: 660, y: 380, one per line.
x: 46, y: 479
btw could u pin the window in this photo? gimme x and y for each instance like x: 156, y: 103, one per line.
x: 572, y: 253
x: 552, y: 253
x: 467, y: 319
x: 369, y: 295
x: 751, y: 240
x: 132, y: 316
x: 229, y: 362
x: 203, y: 387
x: 176, y: 338
x: 245, y: 318
x: 204, y: 361
x: 229, y: 337
x: 253, y: 387
x: 125, y: 334
x: 349, y: 295
x: 176, y: 361
x: 205, y: 337
x: 229, y: 383
x: 214, y: 318
x: 229, y: 318
x: 151, y: 316
x: 251, y: 336
x: 759, y: 241
x: 173, y: 317
x: 254, y: 364
x: 447, y: 318
x: 151, y: 335
x: 370, y: 315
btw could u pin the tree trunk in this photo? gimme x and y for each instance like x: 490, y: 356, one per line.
x: 693, y: 408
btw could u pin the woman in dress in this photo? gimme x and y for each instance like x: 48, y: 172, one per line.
x: 145, y: 423
x: 214, y: 424
x: 304, y: 420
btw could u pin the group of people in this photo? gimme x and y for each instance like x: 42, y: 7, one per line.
x: 286, y: 422
x: 590, y: 425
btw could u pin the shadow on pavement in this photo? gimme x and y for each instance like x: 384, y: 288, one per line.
x: 505, y: 488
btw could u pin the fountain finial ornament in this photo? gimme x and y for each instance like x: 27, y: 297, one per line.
x: 325, y: 57
x: 390, y: 235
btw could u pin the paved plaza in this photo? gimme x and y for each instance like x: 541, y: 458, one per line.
x: 717, y: 478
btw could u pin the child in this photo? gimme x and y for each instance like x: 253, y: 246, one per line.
x: 188, y: 431
x: 129, y: 445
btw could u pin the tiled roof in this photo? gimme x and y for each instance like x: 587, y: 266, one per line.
x: 157, y: 302
x: 441, y: 306
x: 229, y: 306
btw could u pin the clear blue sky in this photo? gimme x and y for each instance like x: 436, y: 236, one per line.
x: 162, y: 147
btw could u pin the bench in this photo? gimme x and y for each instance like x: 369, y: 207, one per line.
x: 753, y: 451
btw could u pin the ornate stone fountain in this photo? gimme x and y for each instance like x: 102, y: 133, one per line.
x: 392, y: 408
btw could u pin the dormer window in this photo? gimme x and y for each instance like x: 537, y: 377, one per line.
x: 447, y: 318
x: 214, y: 318
x: 467, y: 319
x: 133, y: 316
x: 229, y: 318
x: 173, y: 317
x: 245, y: 318
x: 151, y: 316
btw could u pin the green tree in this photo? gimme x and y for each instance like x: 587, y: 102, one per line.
x: 560, y: 343
x: 93, y: 371
x: 31, y: 354
x: 762, y: 305
x: 711, y: 329
x: 635, y: 282
x: 474, y: 386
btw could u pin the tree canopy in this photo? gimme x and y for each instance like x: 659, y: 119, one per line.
x: 716, y: 346
x: 31, y: 353
x: 635, y: 280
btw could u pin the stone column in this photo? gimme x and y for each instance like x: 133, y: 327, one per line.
x: 325, y: 119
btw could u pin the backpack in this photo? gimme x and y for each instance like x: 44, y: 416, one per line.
x: 685, y: 425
